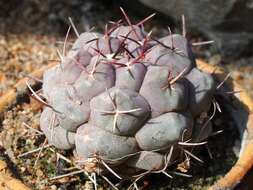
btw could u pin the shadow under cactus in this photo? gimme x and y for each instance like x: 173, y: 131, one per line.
x: 52, y: 160
x: 18, y: 140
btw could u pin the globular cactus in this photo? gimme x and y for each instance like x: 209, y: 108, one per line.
x: 126, y: 98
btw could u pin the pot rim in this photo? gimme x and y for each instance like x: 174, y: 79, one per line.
x: 230, y: 180
x: 245, y: 160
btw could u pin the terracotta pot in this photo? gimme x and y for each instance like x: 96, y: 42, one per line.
x: 229, y: 181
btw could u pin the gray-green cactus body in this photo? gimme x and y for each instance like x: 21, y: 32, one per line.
x: 161, y: 96
x: 107, y: 145
x: 119, y: 111
x: 163, y: 131
x: 125, y: 96
x: 56, y: 135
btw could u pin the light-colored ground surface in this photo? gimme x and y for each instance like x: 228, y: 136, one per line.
x: 26, y: 46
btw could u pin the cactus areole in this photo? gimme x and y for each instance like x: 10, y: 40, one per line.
x: 125, y: 99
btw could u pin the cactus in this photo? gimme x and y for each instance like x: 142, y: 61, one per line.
x: 127, y: 99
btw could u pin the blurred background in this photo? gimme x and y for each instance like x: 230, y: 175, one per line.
x: 30, y: 30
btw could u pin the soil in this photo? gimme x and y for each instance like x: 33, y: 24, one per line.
x: 30, y: 31
x: 29, y: 34
x: 18, y: 137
